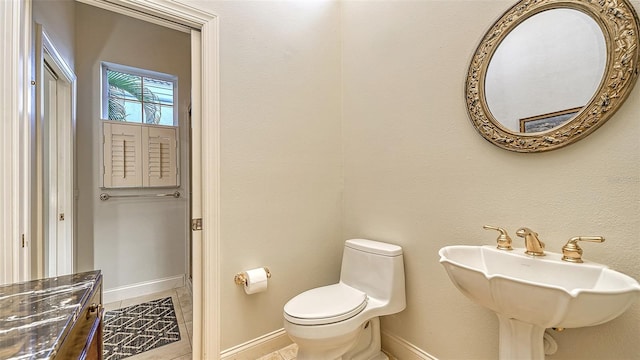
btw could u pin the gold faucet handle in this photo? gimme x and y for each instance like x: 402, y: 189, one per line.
x: 572, y: 252
x: 504, y: 240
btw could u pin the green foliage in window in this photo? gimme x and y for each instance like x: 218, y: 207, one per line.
x: 126, y: 87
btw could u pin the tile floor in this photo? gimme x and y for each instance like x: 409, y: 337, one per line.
x: 286, y: 353
x: 289, y: 353
x: 181, y: 350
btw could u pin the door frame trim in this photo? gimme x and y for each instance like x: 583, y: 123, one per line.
x: 16, y: 130
x: 206, y: 294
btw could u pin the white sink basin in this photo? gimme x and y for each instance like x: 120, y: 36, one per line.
x: 544, y: 291
x: 530, y: 294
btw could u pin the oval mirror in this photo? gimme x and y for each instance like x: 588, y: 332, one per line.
x: 548, y: 73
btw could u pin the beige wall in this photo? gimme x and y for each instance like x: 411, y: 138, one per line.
x: 58, y: 19
x: 415, y: 171
x: 280, y: 155
x: 418, y: 174
x: 130, y: 240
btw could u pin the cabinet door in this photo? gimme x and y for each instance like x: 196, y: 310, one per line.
x: 93, y: 349
x: 84, y: 340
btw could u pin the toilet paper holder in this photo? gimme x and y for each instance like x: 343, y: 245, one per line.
x: 241, y: 278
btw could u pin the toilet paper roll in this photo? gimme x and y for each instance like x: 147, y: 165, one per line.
x: 256, y: 281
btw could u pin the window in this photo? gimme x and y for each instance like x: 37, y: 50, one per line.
x: 140, y: 96
x: 139, y: 127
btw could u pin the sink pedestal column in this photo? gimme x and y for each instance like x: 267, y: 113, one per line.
x: 520, y: 340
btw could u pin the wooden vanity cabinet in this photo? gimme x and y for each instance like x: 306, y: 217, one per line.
x: 84, y: 339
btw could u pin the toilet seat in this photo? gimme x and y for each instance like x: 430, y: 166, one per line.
x: 325, y: 305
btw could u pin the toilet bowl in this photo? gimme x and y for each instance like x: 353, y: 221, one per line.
x: 341, y: 321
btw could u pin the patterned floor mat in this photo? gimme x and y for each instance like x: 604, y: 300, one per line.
x: 139, y: 328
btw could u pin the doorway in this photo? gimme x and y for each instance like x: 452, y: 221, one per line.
x: 18, y: 33
x: 205, y: 169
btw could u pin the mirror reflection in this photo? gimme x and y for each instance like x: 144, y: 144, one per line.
x: 548, y: 73
x: 546, y: 70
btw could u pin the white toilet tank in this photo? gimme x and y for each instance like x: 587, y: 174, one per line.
x: 377, y: 269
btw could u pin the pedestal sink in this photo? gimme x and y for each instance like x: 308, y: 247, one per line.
x: 530, y: 294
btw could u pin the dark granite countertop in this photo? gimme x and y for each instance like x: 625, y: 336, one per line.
x: 35, y: 316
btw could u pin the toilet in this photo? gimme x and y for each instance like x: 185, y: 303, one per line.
x: 341, y: 321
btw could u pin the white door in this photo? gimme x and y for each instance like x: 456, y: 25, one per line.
x: 54, y: 245
x: 50, y: 170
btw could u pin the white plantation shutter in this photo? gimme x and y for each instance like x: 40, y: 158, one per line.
x: 122, y: 155
x: 159, y: 163
x: 137, y: 155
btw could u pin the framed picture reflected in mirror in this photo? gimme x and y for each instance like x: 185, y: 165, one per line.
x: 544, y: 122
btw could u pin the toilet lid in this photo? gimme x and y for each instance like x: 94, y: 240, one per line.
x: 325, y: 305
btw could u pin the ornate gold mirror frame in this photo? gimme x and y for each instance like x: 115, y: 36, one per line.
x: 619, y: 24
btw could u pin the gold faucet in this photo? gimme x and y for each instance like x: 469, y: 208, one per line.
x: 504, y: 240
x: 534, y: 246
x: 571, y: 252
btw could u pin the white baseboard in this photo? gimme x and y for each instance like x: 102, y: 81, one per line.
x: 402, y: 349
x: 266, y: 344
x: 141, y: 289
x: 258, y: 347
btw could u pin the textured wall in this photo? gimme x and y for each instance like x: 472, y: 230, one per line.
x: 280, y: 155
x: 417, y: 174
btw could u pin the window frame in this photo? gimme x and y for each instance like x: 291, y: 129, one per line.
x: 104, y: 89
